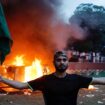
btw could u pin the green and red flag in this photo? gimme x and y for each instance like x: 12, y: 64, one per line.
x: 5, y: 38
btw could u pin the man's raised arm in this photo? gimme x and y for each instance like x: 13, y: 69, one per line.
x: 14, y: 84
x: 98, y: 81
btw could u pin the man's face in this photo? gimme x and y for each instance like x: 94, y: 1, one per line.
x: 61, y: 63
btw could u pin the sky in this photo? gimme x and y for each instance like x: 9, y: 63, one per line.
x: 68, y: 6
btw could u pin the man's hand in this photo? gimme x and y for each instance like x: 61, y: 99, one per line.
x: 98, y: 81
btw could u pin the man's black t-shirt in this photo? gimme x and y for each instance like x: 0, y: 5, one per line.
x: 60, y: 91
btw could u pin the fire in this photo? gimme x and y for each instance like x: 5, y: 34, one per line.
x: 18, y: 61
x: 37, y: 65
x: 19, y: 71
x: 30, y: 72
x: 91, y: 87
x: 34, y: 71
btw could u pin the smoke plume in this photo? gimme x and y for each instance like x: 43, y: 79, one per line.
x: 37, y: 28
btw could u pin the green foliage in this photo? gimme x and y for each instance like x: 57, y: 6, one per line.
x: 92, y: 18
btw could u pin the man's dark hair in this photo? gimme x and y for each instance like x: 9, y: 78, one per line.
x: 60, y: 53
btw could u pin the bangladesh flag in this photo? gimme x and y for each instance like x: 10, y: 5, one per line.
x: 5, y: 38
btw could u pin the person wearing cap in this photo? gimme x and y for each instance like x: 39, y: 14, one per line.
x: 58, y: 88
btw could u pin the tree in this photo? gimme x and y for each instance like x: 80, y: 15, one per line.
x: 91, y: 19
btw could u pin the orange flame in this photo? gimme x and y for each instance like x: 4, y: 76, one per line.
x: 18, y: 61
x: 18, y: 70
x: 27, y: 73
x: 91, y: 87
x: 34, y: 71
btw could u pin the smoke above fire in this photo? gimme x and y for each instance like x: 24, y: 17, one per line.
x: 37, y: 28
